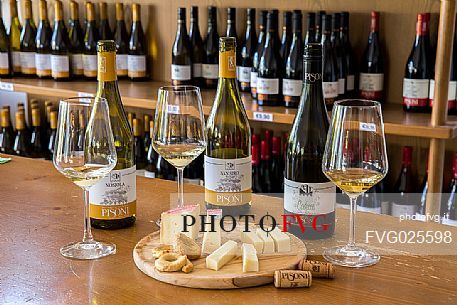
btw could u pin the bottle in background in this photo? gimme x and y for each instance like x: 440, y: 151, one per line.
x: 420, y: 213
x: 136, y: 59
x: 5, y: 64
x: 247, y: 52
x: 147, y: 132
x: 231, y: 23
x: 310, y: 35
x: 139, y: 143
x: 43, y: 43
x: 258, y: 52
x: 60, y: 58
x: 104, y: 30
x: 130, y: 117
x: 371, y: 81
x: 76, y: 44
x: 265, y: 166
x: 121, y: 38
x: 350, y: 65
x: 256, y: 176
x: 196, y: 44
x: 369, y: 201
x: 340, y: 55
x: 15, y: 38
x: 6, y: 132
x: 150, y: 170
x: 405, y: 201
x: 28, y: 46
x: 319, y: 26
x: 181, y: 61
x: 21, y: 141
x: 36, y: 139
x: 450, y: 208
x: 90, y: 43
x: 330, y: 69
x: 52, y: 134
x: 286, y: 38
x: 277, y: 166
x: 211, y: 59
x: 192, y: 173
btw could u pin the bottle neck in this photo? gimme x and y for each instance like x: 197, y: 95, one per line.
x: 312, y: 82
x: 374, y: 26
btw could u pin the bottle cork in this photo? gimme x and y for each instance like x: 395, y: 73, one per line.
x: 292, y: 278
x: 318, y: 269
x: 137, y: 128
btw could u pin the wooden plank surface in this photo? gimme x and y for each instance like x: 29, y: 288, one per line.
x: 41, y: 211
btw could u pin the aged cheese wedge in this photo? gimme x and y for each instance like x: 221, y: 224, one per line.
x: 281, y: 240
x: 250, y: 260
x: 172, y: 223
x: 222, y: 255
x: 212, y: 240
x: 268, y: 242
x: 252, y: 238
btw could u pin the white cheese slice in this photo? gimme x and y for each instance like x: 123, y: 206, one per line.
x: 281, y: 239
x: 268, y: 242
x: 252, y: 238
x: 250, y: 260
x: 212, y: 240
x: 172, y: 223
x: 222, y: 255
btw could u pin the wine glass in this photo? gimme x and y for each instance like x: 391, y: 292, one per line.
x: 85, y: 153
x: 179, y: 128
x: 355, y: 159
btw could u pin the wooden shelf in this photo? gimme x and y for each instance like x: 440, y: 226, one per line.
x: 144, y: 95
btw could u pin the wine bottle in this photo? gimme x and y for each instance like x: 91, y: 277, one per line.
x: 286, y: 38
x: 52, y: 135
x: 139, y: 144
x: 340, y: 56
x: 15, y: 38
x: 231, y: 23
x: 137, y: 65
x: 292, y: 83
x: 211, y: 59
x: 268, y: 137
x: 150, y: 170
x: 247, y: 52
x: 43, y: 43
x: 5, y: 65
x: 258, y: 53
x: 228, y: 162
x: 371, y: 81
x: 121, y: 38
x: 418, y: 71
x: 196, y: 44
x: 450, y: 211
x: 421, y: 210
x: 7, y: 133
x: 181, y: 61
x: 307, y: 191
x: 319, y: 26
x: 269, y: 88
x: 28, y: 46
x: 147, y: 137
x: 330, y: 69
x: 369, y: 201
x: 265, y: 173
x: 60, y: 45
x: 256, y: 177
x: 104, y: 30
x: 36, y: 140
x: 310, y: 35
x: 405, y: 202
x: 76, y: 37
x: 21, y: 140
x: 350, y: 66
x: 113, y: 198
x: 277, y: 167
x: 90, y: 43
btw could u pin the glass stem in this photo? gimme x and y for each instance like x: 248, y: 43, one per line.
x: 353, y: 200
x: 180, y: 187
x: 87, y: 228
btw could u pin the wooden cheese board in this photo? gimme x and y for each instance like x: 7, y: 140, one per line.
x: 230, y: 276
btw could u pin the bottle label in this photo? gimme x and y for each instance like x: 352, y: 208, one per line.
x: 371, y: 85
x: 227, y: 64
x: 149, y: 174
x: 292, y: 87
x: 180, y: 72
x: 228, y: 182
x: 4, y: 63
x: 114, y: 197
x: 210, y: 71
x: 267, y: 85
x: 330, y: 89
x: 254, y: 76
x: 90, y: 65
x: 369, y: 210
x: 309, y: 198
x: 106, y: 66
x: 197, y: 70
x: 122, y: 65
x: 350, y: 80
x: 244, y: 74
x: 16, y: 61
x: 415, y: 92
x: 341, y: 85
x: 43, y: 64
x: 136, y: 65
x: 28, y: 65
x: 77, y: 67
x: 60, y: 66
x: 449, y: 222
x: 402, y: 209
x: 451, y: 93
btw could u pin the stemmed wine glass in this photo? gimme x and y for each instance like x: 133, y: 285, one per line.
x: 85, y: 153
x: 355, y: 159
x: 179, y: 128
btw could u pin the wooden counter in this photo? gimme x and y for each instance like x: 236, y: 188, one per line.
x: 41, y: 211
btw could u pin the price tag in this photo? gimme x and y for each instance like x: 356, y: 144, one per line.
x: 85, y: 94
x: 6, y: 86
x: 367, y: 127
x: 263, y: 116
x: 174, y: 109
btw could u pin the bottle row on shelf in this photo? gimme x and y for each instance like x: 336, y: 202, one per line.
x: 61, y: 54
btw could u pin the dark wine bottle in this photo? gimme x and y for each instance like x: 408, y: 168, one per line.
x: 104, y: 30
x: 418, y: 71
x: 421, y: 210
x: 248, y: 49
x: 90, y: 43
x: 258, y: 53
x: 265, y: 166
x: 319, y: 26
x: 52, y: 134
x: 256, y: 177
x: 6, y: 132
x: 330, y: 69
x: 5, y: 63
x: 211, y: 59
x: 450, y: 211
x: 369, y: 201
x: 28, y: 46
x: 231, y: 23
x: 307, y: 191
x: 286, y: 38
x: 60, y: 58
x: 121, y: 38
x: 405, y: 202
x: 147, y: 133
x: 292, y: 83
x: 76, y: 37
x: 139, y: 143
x: 21, y: 141
x: 269, y: 87
x: 310, y: 35
x: 339, y: 55
x: 43, y: 43
x: 277, y: 167
x: 136, y: 60
x: 181, y: 61
x: 350, y: 65
x: 196, y: 43
x: 36, y: 140
x: 371, y: 81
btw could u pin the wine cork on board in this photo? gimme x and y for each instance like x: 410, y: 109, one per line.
x: 292, y: 278
x: 318, y: 269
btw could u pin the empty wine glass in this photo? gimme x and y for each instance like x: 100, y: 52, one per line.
x: 355, y: 159
x: 85, y: 153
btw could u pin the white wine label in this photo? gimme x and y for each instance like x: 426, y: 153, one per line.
x: 244, y: 74
x: 228, y: 181
x: 28, y: 64
x: 16, y: 61
x: 371, y: 82
x: 6, y: 86
x: 4, y: 62
x: 254, y: 79
x: 309, y: 198
x: 90, y: 64
x: 122, y: 64
x: 43, y: 63
x: 263, y: 116
x: 341, y: 85
x: 451, y: 93
x: 350, y: 82
x: 149, y: 174
x: 210, y: 71
x: 60, y: 66
x: 114, y: 197
x: 197, y: 70
x: 136, y: 65
x: 369, y: 210
x: 267, y: 85
x: 330, y: 89
x: 181, y: 72
x: 77, y: 66
x: 415, y: 92
x: 367, y: 126
x: 449, y: 222
x: 431, y: 91
x: 402, y: 209
x: 292, y: 87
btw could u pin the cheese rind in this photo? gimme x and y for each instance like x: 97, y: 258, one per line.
x: 222, y: 255
x: 250, y: 260
x: 212, y: 240
x: 268, y: 242
x: 281, y: 240
x: 252, y: 238
x: 172, y: 223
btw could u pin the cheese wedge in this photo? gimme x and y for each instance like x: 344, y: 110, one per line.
x: 252, y: 238
x: 212, y: 240
x: 268, y: 242
x: 172, y: 223
x: 222, y: 255
x: 281, y: 240
x: 250, y: 260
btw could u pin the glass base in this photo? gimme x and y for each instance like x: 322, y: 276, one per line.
x: 88, y: 250
x: 351, y: 256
